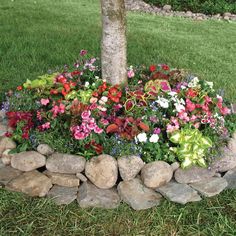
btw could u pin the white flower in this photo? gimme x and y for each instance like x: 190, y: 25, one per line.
x: 172, y: 94
x: 86, y: 84
x: 154, y: 138
x: 142, y: 137
x: 183, y: 87
x: 163, y: 102
x: 179, y: 107
x: 210, y: 84
x: 193, y: 83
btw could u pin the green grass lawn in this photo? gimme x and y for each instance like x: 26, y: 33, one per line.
x: 39, y: 35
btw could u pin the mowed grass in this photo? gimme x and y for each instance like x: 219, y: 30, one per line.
x: 21, y: 215
x: 39, y: 35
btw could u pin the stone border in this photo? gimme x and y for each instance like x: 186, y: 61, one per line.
x: 104, y: 181
x: 141, y: 6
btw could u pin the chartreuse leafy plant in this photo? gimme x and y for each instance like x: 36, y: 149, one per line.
x: 192, y: 147
x: 162, y: 114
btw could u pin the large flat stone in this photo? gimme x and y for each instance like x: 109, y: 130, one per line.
x: 226, y: 161
x: 28, y: 161
x: 66, y: 180
x: 180, y: 193
x: 102, y: 171
x: 230, y: 177
x: 63, y: 195
x: 91, y: 196
x: 130, y: 166
x: 32, y: 183
x: 193, y: 175
x: 139, y: 197
x: 210, y: 187
x: 65, y: 163
x: 8, y: 173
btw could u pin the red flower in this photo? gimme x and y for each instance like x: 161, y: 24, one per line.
x: 102, y: 87
x: 165, y: 67
x: 19, y: 88
x: 61, y: 79
x: 76, y: 72
x: 114, y: 94
x: 152, y: 68
x: 53, y: 91
x: 191, y: 93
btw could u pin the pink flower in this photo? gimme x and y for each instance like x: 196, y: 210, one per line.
x: 91, y: 126
x: 39, y: 117
x: 46, y: 125
x: 190, y: 106
x: 104, y: 121
x: 44, y: 101
x: 165, y: 86
x: 130, y: 74
x: 183, y: 116
x: 79, y: 135
x: 101, y: 108
x: 83, y: 52
x: 85, y: 115
x: 153, y: 119
x: 93, y: 106
x: 98, y: 130
x: 197, y: 125
x: 93, y: 100
x: 157, y: 131
x: 225, y: 111
x: 171, y: 128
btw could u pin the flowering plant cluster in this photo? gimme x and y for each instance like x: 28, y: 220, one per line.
x: 161, y: 114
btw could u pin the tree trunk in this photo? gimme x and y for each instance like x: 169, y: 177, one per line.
x: 114, y: 47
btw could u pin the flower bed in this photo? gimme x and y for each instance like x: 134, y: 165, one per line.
x: 161, y: 114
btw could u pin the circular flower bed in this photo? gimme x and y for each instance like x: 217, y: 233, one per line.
x: 161, y: 114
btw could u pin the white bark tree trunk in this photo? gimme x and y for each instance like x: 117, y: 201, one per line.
x: 114, y: 46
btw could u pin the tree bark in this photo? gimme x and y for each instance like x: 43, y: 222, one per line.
x: 114, y: 46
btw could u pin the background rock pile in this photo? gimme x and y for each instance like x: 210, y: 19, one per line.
x: 141, y: 6
x: 104, y: 181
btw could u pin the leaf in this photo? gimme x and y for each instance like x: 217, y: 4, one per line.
x: 112, y: 128
x: 144, y: 126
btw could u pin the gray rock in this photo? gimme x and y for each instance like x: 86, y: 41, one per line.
x: 62, y: 195
x: 226, y: 161
x: 65, y: 163
x: 227, y: 14
x: 45, y: 149
x: 175, y: 166
x: 180, y: 193
x: 81, y: 177
x: 130, y: 166
x: 156, y: 174
x: 91, y: 196
x: 32, y: 183
x: 210, y: 187
x: 66, y: 180
x: 189, y: 14
x: 28, y: 161
x: 7, y: 174
x: 6, y: 143
x: 167, y: 7
x: 2, y: 115
x: 193, y: 174
x: 3, y: 129
x: 139, y: 197
x: 6, y: 157
x: 230, y: 177
x: 102, y: 171
x: 1, y: 163
x: 232, y: 145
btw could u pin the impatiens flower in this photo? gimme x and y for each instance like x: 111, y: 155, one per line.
x: 157, y: 131
x: 44, y: 101
x: 103, y: 100
x: 98, y: 130
x: 130, y: 72
x: 79, y: 135
x: 101, y: 108
x: 154, y: 138
x: 152, y: 68
x: 142, y: 137
x: 165, y: 67
x: 104, y: 121
x: 191, y: 93
x: 19, y: 88
x: 190, y: 106
x: 83, y: 52
x: 46, y: 125
x: 93, y: 100
x: 179, y: 107
x: 225, y: 111
x: 163, y: 102
x: 85, y: 115
x: 86, y: 85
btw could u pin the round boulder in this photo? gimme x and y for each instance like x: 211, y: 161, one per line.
x: 156, y: 174
x: 102, y: 171
x: 45, y: 149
